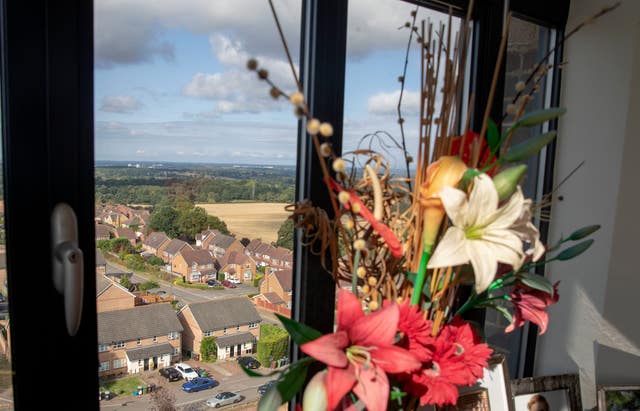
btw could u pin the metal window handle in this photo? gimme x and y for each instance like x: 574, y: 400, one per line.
x: 68, y: 263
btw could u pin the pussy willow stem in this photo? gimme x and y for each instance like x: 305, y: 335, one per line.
x: 422, y: 273
x: 354, y: 276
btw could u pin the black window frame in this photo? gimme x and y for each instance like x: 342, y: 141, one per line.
x: 48, y: 139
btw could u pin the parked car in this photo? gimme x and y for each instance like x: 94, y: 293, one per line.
x: 248, y: 362
x: 235, y: 281
x: 224, y: 398
x: 186, y: 371
x: 228, y: 284
x: 199, y: 384
x: 265, y: 387
x: 213, y: 283
x: 171, y: 374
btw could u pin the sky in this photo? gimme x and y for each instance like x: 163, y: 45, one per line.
x: 171, y: 82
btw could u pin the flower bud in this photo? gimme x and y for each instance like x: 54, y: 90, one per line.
x: 507, y: 180
x: 315, y: 395
x: 296, y: 98
x: 326, y: 130
x: 313, y: 126
x: 343, y: 197
x: 359, y: 244
x: 446, y: 172
x: 339, y: 165
x: 361, y: 271
x: 325, y: 149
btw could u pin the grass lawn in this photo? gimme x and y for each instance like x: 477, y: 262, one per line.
x: 123, y: 386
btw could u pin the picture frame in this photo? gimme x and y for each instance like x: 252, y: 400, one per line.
x: 497, y: 383
x: 618, y: 397
x: 555, y: 392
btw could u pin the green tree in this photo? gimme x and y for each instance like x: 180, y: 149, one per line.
x: 245, y: 241
x: 214, y: 223
x: 125, y: 282
x: 191, y: 222
x: 285, y: 235
x: 273, y: 343
x: 165, y: 218
x: 120, y: 246
x: 147, y: 285
x: 104, y: 245
x: 134, y: 262
x: 153, y: 260
x: 208, y: 349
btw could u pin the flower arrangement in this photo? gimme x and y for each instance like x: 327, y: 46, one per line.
x: 409, y: 247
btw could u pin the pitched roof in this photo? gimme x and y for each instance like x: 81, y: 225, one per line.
x: 235, y: 339
x: 285, y: 278
x: 235, y: 257
x: 253, y: 245
x: 137, y: 354
x: 224, y: 312
x: 201, y: 236
x: 103, y: 282
x: 200, y: 257
x: 273, y: 298
x: 280, y: 253
x: 139, y: 322
x: 222, y: 241
x: 175, y: 246
x: 155, y: 239
x: 126, y: 233
x: 102, y: 230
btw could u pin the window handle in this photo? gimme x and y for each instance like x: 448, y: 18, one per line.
x: 68, y: 263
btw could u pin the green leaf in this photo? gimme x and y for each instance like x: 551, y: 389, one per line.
x: 252, y: 373
x: 538, y: 117
x: 583, y: 232
x: 493, y: 137
x: 271, y: 400
x: 574, y: 251
x: 299, y: 333
x: 292, y: 381
x: 537, y: 282
x: 529, y: 147
x: 503, y: 310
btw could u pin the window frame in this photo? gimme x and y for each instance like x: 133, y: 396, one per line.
x: 48, y: 138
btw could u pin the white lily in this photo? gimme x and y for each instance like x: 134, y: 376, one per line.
x: 524, y: 228
x: 481, y: 232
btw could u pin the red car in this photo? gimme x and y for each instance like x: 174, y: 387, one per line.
x: 228, y: 284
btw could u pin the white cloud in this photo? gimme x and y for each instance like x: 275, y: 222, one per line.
x: 120, y: 104
x: 387, y: 103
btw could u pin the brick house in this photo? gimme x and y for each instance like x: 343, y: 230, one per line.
x: 222, y: 243
x: 103, y: 232
x: 111, y: 296
x: 276, y: 287
x: 101, y: 263
x: 154, y: 241
x: 237, y: 265
x: 267, y: 255
x: 233, y: 321
x: 194, y: 265
x: 169, y: 250
x: 129, y: 234
x: 138, y: 339
x: 205, y: 238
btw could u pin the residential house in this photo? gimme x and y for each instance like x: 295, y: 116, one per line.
x: 267, y: 255
x: 103, y: 232
x: 205, y: 238
x: 114, y: 218
x: 129, y: 234
x: 169, y: 250
x: 232, y: 321
x: 101, y: 263
x: 194, y: 265
x: 237, y: 265
x: 138, y: 339
x: 222, y: 243
x: 276, y: 287
x: 154, y: 241
x: 111, y: 296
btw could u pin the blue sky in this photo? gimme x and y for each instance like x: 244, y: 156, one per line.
x: 171, y: 82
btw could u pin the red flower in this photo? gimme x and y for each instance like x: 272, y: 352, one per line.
x: 360, y: 352
x: 471, y: 139
x: 471, y: 353
x: 529, y: 305
x: 416, y: 331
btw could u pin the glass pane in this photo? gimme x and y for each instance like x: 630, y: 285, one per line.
x: 195, y: 162
x: 528, y: 43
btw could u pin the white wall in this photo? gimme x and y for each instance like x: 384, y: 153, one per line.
x: 595, y: 329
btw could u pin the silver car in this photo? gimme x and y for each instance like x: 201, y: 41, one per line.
x: 224, y: 398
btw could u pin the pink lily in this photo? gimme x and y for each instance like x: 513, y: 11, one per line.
x: 529, y: 305
x: 360, y: 353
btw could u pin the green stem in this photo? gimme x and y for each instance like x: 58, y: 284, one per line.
x: 420, y: 276
x: 470, y: 302
x: 354, y: 276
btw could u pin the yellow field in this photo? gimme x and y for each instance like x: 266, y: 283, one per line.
x: 251, y: 220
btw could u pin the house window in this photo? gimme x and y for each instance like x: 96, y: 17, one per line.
x: 103, y: 347
x: 119, y: 363
x: 104, y: 366
x: 238, y: 328
x: 176, y: 351
x: 225, y: 330
x: 172, y: 335
x: 208, y: 333
x: 253, y: 325
x: 119, y: 344
x: 138, y: 341
x: 155, y: 339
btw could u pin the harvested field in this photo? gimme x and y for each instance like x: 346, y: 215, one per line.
x: 251, y: 220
